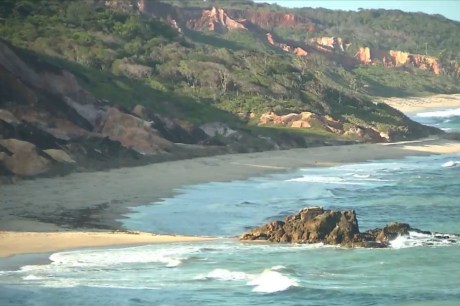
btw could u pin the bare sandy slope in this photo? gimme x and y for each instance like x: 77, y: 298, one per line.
x: 415, y: 104
x: 46, y: 242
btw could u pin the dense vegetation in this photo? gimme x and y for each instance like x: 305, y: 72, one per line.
x: 383, y: 29
x: 128, y: 58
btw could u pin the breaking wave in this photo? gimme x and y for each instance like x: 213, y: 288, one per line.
x: 440, y: 114
x: 451, y: 164
x: 416, y: 239
x: 269, y: 281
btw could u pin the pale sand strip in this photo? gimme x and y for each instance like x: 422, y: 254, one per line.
x: 12, y: 243
x: 417, y: 104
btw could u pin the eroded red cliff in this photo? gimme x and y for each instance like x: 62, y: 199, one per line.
x: 215, y: 19
x: 395, y: 58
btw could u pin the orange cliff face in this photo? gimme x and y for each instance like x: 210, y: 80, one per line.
x: 216, y: 20
x: 363, y: 55
x: 267, y: 19
x: 300, y: 52
x: 425, y: 62
x: 395, y: 58
x: 330, y: 43
x: 287, y: 48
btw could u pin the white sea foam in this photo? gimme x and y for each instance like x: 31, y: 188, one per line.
x: 272, y: 281
x: 278, y: 268
x: 170, y: 257
x: 440, y: 114
x: 361, y: 175
x: 225, y: 275
x: 451, y: 164
x: 324, y: 180
x: 415, y: 239
x: 269, y: 281
x: 32, y: 277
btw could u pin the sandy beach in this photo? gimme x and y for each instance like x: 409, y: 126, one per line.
x: 415, y: 104
x: 50, y: 214
x: 12, y: 243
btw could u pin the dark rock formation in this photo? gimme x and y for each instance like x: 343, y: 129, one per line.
x: 316, y: 225
x: 50, y: 125
x: 132, y: 132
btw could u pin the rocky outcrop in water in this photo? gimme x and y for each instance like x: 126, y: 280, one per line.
x: 318, y: 225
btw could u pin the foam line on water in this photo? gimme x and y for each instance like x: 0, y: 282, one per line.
x: 416, y: 239
x: 440, y: 114
x: 269, y: 281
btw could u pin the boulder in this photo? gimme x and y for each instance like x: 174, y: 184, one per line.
x: 22, y: 158
x: 8, y: 117
x: 332, y: 227
x: 214, y: 129
x: 140, y: 111
x: 59, y: 156
x: 132, y: 132
x: 300, y: 52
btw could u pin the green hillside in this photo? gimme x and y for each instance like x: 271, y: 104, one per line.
x: 127, y: 58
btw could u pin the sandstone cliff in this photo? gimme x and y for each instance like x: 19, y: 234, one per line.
x: 215, y: 19
x: 330, y: 43
x: 223, y: 20
x: 285, y: 47
x: 395, y: 58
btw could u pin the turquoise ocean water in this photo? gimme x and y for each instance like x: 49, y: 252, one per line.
x: 416, y: 270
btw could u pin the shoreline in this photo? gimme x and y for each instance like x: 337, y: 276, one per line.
x: 97, y: 200
x: 19, y: 235
x: 87, y: 207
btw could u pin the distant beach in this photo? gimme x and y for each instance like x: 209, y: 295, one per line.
x: 415, y: 104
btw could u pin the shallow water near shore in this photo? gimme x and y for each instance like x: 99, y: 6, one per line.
x: 447, y: 119
x: 422, y: 191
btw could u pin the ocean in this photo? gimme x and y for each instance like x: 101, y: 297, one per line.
x: 447, y: 119
x: 415, y: 270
